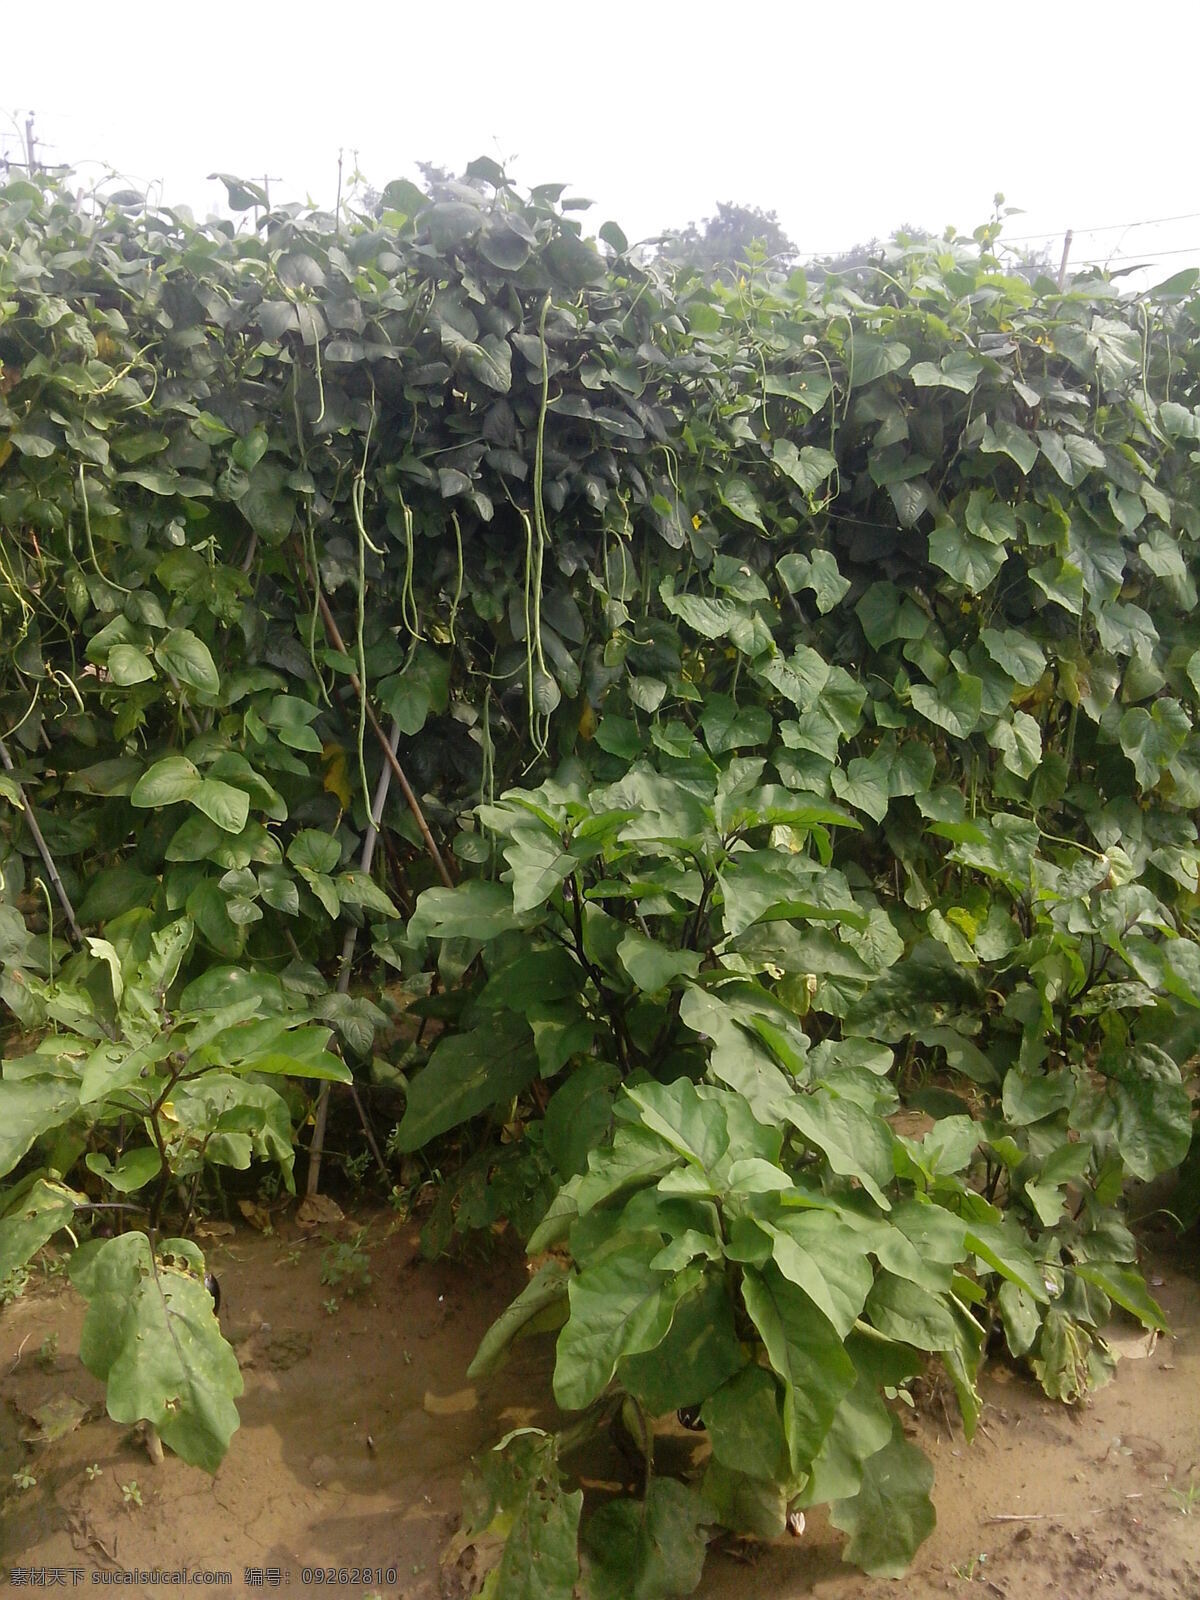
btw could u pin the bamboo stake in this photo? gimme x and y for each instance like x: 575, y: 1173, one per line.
x: 414, y: 805
x: 366, y: 858
x: 43, y: 848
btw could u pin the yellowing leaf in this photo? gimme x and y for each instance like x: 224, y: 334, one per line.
x: 337, y: 777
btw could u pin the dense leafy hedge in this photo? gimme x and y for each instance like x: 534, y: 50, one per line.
x: 797, y: 686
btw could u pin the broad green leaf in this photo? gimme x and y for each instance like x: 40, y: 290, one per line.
x: 474, y: 910
x: 360, y: 889
x: 171, y: 779
x: 466, y: 1074
x: 806, y: 1351
x: 745, y: 1424
x: 318, y: 852
x: 692, y: 1122
x: 854, y: 1142
x: 151, y: 1336
x: 861, y: 1426
x: 699, y: 1351
x: 1015, y: 653
x: 540, y: 1305
x: 999, y: 1246
x: 969, y: 560
x: 188, y: 659
x: 1127, y: 1288
x: 892, y: 1513
x: 651, y: 1549
x: 653, y: 966
x: 822, y: 1256
x: 954, y: 704
x: 618, y: 1307
x: 739, y: 496
x: 228, y: 807
x: 32, y: 1217
x: 30, y: 1107
x: 903, y: 1311
x: 808, y: 467
x: 1152, y: 1112
x: 1006, y: 438
x: 1152, y: 738
x: 746, y: 1504
x: 132, y: 1172
x: 128, y: 665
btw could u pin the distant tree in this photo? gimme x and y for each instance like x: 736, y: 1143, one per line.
x: 720, y: 245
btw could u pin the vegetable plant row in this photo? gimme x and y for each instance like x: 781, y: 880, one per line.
x: 754, y: 721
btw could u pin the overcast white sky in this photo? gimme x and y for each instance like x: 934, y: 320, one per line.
x: 847, y: 120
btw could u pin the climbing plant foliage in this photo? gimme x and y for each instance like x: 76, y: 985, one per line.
x: 801, y: 682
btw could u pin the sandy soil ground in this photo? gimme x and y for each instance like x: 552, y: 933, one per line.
x: 358, y: 1421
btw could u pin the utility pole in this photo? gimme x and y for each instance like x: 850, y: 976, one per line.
x: 30, y: 144
x: 1062, y: 266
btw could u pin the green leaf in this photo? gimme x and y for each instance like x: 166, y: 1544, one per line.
x: 151, y: 1336
x: 892, y: 1514
x: 904, y: 1311
x: 128, y: 665
x: 167, y: 781
x: 31, y: 1217
x: 1015, y: 653
x: 739, y: 496
x: 700, y: 1350
x: 651, y: 1549
x: 1152, y: 1108
x: 221, y: 803
x: 805, y: 1349
x: 541, y: 1304
x: 856, y: 1143
x: 617, y: 1307
x: 466, y: 1074
x: 1152, y: 738
x: 360, y: 889
x: 953, y: 705
x: 188, y: 659
x: 474, y: 910
x: 1127, y: 1288
x: 314, y: 852
x: 1007, y: 439
x: 818, y: 572
x: 132, y: 1172
x: 745, y: 1424
x: 808, y: 467
x: 30, y: 1107
x: 579, y: 1115
x: 653, y: 966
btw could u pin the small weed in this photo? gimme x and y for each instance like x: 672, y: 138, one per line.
x: 332, y: 1306
x: 355, y: 1167
x: 291, y: 1258
x: 1186, y: 1499
x: 94, y: 1471
x: 970, y: 1570
x: 131, y: 1493
x: 47, y: 1352
x: 347, y: 1266
x: 24, y: 1479
x: 13, y: 1285
x: 54, y: 1266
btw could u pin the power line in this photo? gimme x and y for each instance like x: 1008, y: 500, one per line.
x: 1142, y: 255
x: 1106, y: 227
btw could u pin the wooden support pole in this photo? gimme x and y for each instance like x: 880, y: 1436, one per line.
x: 39, y: 840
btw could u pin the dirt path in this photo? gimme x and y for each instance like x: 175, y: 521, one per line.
x: 357, y: 1423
